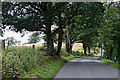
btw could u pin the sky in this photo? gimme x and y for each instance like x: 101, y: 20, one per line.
x: 18, y: 37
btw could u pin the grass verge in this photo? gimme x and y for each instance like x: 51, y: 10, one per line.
x: 111, y: 63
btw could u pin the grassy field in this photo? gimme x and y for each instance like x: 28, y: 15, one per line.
x: 25, y: 62
x: 75, y: 46
x: 111, y: 63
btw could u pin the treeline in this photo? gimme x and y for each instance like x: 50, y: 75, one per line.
x: 109, y: 33
x: 93, y: 24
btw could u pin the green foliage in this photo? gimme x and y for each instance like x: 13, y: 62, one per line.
x: 25, y: 62
x: 74, y: 54
x: 84, y: 25
x: 11, y: 41
x: 64, y: 53
x: 18, y: 61
x: 114, y: 54
x: 110, y: 30
x: 34, y: 38
x: 37, y: 16
x: 40, y: 16
x: 111, y: 63
x: 77, y: 53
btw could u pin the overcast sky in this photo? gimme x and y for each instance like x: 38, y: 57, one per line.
x: 18, y: 37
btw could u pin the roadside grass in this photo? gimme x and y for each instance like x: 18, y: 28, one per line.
x: 111, y: 63
x: 25, y: 62
x: 46, y: 70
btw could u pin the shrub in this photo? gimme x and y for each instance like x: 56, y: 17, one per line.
x: 18, y: 61
x: 64, y: 53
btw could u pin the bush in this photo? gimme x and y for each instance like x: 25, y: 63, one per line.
x: 90, y: 54
x: 18, y: 61
x: 114, y: 54
x: 64, y: 53
x: 77, y: 53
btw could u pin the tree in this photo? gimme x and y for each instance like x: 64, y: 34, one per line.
x: 34, y: 16
x: 18, y: 42
x: 91, y: 18
x: 65, y: 16
x: 84, y: 26
x: 110, y: 31
x: 38, y: 16
x: 34, y: 38
x: 11, y: 41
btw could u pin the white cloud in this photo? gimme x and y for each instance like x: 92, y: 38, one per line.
x: 17, y: 36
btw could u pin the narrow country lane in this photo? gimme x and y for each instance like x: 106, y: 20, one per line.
x: 86, y: 69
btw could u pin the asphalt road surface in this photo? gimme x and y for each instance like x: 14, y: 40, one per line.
x: 86, y: 69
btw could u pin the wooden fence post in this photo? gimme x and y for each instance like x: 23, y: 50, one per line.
x: 33, y: 46
x: 3, y: 44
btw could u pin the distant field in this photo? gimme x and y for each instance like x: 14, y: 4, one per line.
x: 75, y: 46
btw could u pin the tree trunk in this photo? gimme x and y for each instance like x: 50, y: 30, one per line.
x: 50, y: 46
x: 49, y: 39
x: 59, y: 42
x: 111, y: 51
x: 85, y: 46
x: 94, y: 49
x: 60, y: 34
x: 89, y: 49
x: 3, y: 45
x: 68, y: 42
x: 70, y: 50
x: 101, y: 51
x: 118, y: 53
x: 69, y: 47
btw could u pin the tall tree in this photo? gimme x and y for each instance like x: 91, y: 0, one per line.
x: 65, y: 16
x: 110, y: 30
x: 85, y: 24
x: 36, y: 16
x: 30, y: 16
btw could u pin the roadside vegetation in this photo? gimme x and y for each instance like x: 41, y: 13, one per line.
x: 25, y: 62
x: 89, y: 23
x: 110, y: 62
